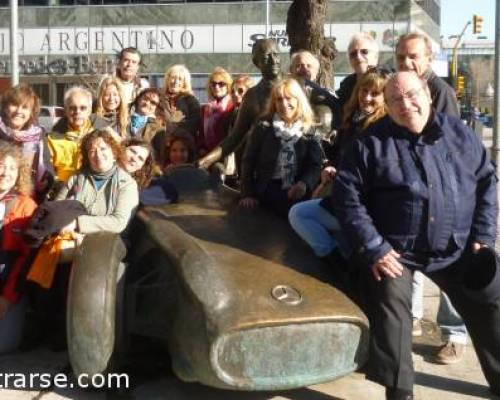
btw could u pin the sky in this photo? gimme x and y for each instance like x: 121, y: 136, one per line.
x: 456, y: 13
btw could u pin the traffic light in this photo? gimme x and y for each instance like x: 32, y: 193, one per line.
x: 460, y: 85
x: 477, y: 24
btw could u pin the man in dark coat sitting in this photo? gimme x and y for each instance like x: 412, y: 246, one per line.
x: 418, y: 193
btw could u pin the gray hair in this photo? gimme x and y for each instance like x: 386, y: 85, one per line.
x: 80, y: 90
x: 295, y: 56
x: 363, y: 36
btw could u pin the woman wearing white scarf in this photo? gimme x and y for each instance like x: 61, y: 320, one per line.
x: 18, y: 125
x: 282, y: 159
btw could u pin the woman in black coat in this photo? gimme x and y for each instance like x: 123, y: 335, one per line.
x: 282, y: 160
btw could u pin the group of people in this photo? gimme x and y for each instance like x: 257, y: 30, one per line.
x: 380, y: 178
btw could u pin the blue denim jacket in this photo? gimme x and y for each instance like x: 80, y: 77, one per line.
x: 427, y: 194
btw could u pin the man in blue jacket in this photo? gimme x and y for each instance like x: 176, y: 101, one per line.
x: 418, y: 192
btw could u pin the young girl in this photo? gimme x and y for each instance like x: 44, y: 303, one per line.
x: 16, y: 208
x: 179, y: 150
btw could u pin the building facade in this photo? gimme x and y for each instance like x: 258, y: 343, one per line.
x: 74, y: 41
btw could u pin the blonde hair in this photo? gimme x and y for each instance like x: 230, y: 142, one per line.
x: 373, y: 79
x: 184, y: 73
x: 290, y: 87
x: 224, y: 76
x: 243, y: 80
x: 122, y: 109
x: 24, y: 184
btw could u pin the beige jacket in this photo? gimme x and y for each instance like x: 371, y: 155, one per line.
x: 81, y: 187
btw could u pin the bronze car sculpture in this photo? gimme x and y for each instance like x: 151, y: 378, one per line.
x: 241, y: 302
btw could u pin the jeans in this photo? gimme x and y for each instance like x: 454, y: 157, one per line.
x: 317, y: 227
x: 452, y: 326
x: 450, y: 322
x: 417, y: 295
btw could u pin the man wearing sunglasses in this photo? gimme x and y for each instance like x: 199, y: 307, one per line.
x: 414, y: 53
x: 436, y: 177
x: 362, y: 53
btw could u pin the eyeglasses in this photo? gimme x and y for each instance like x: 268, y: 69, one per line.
x: 411, y: 95
x: 240, y: 91
x: 218, y: 84
x: 354, y: 53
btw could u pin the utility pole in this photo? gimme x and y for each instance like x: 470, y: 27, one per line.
x: 268, y: 17
x: 496, y: 121
x: 14, y: 57
x: 454, y: 64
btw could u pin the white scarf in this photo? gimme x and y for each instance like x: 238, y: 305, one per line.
x: 286, y: 166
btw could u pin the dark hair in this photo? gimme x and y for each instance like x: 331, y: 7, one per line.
x: 90, y: 138
x: 179, y: 135
x: 144, y: 175
x: 160, y: 110
x: 130, y: 50
x: 19, y: 95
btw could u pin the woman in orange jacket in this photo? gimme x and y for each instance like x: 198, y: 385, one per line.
x: 16, y: 208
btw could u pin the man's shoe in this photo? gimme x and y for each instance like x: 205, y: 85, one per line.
x: 450, y: 353
x: 398, y: 394
x: 416, y: 329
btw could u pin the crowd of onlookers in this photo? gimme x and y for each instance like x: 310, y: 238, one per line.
x: 282, y: 143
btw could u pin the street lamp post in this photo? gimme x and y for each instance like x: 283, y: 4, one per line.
x: 454, y: 65
x: 14, y: 57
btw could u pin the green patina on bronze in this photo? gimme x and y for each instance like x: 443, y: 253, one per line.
x: 223, y: 325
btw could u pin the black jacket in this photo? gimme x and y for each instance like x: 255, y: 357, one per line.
x: 261, y: 153
x: 443, y: 96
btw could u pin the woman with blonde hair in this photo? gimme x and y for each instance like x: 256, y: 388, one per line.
x: 111, y: 105
x: 282, y: 159
x: 215, y: 115
x: 178, y: 99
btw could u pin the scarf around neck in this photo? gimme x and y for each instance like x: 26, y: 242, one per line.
x: 32, y: 134
x: 286, y: 163
x: 111, y: 175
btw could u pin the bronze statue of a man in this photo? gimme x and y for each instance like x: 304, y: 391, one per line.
x: 266, y: 58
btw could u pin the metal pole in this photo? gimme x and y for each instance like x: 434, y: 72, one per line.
x: 496, y: 121
x: 268, y: 12
x: 454, y: 65
x: 14, y: 56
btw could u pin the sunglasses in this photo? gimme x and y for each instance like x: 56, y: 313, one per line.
x: 217, y: 84
x: 239, y: 91
x: 354, y: 53
x: 381, y: 71
x: 78, y: 108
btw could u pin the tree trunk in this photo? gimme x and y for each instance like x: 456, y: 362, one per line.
x: 304, y: 25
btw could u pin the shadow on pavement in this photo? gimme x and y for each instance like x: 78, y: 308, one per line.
x: 454, y: 385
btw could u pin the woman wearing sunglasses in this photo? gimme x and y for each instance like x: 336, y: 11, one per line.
x: 215, y: 115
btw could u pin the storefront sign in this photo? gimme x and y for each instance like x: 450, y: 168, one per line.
x: 176, y: 39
